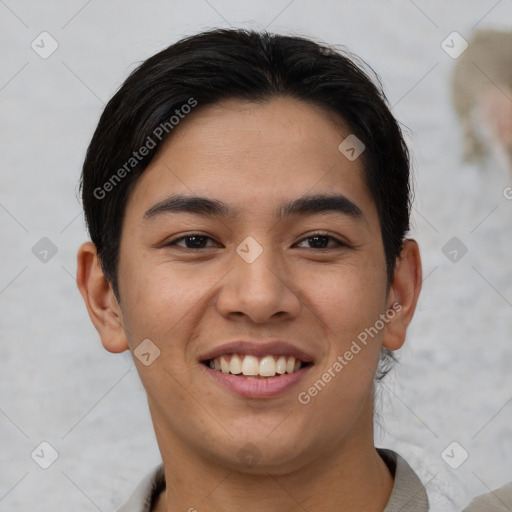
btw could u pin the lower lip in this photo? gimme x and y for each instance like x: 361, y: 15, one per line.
x: 249, y: 387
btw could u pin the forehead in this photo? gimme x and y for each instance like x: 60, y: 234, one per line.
x: 253, y: 155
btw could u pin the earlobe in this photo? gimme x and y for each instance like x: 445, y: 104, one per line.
x: 100, y: 300
x: 404, y: 291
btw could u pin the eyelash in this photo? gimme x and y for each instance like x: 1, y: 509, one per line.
x: 339, y: 243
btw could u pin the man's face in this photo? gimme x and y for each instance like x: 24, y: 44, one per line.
x: 304, y: 283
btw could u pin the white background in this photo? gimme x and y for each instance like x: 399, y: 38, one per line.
x: 59, y: 385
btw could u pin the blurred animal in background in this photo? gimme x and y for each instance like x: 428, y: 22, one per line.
x: 482, y: 96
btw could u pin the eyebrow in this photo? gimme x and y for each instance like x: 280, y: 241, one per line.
x: 302, y: 206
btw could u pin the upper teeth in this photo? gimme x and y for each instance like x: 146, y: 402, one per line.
x: 266, y: 366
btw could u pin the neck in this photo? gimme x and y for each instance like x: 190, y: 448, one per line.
x: 368, y: 488
x: 350, y: 478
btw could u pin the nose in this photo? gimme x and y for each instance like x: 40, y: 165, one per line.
x: 259, y: 290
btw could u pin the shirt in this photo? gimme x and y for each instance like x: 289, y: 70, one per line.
x: 408, y: 494
x: 499, y: 500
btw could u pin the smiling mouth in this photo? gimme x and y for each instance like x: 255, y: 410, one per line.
x: 257, y: 367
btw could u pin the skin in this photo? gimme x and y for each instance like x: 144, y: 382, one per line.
x: 319, y: 456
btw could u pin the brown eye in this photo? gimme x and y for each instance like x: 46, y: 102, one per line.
x: 193, y: 241
x: 321, y: 241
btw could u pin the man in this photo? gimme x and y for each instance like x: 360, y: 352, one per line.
x: 247, y: 197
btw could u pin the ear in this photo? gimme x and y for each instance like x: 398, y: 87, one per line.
x: 404, y: 293
x: 100, y: 300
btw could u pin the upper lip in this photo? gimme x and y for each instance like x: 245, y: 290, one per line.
x: 258, y: 349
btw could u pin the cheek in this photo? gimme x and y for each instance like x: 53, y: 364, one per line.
x: 349, y: 304
x: 162, y: 300
x: 349, y: 309
x: 162, y: 305
x: 349, y: 300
